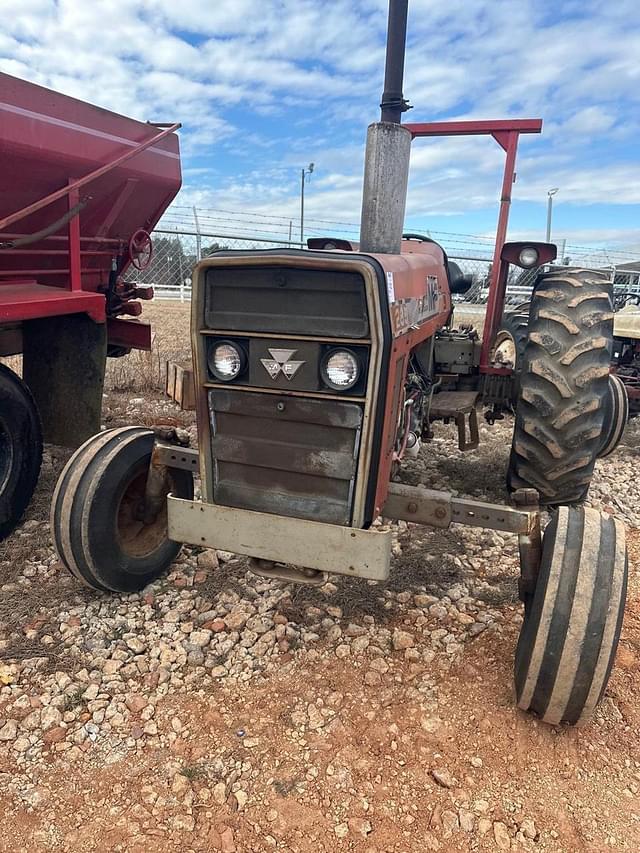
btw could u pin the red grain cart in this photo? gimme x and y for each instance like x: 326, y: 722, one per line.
x: 80, y: 190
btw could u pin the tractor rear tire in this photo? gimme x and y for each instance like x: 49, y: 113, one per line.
x: 20, y: 449
x: 563, y: 387
x: 96, y: 514
x: 572, y: 624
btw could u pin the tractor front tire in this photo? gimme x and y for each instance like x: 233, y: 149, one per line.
x: 572, y: 624
x: 20, y: 449
x: 97, y: 518
x: 564, y: 391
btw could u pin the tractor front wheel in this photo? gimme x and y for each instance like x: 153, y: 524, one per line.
x: 20, y: 449
x: 563, y: 399
x: 98, y: 519
x: 572, y: 624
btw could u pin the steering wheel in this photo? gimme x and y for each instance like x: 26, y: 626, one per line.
x: 140, y: 249
x: 420, y: 237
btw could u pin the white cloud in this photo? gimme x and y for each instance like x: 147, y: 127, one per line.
x: 277, y: 83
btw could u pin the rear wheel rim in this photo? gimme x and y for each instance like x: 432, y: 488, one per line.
x: 505, y: 349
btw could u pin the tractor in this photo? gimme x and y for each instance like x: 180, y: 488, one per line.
x: 319, y: 370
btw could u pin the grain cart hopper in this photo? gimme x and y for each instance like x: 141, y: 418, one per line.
x: 316, y: 374
x: 80, y: 189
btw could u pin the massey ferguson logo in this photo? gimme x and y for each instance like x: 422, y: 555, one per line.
x: 280, y: 362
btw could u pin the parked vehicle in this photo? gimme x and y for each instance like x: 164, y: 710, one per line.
x: 319, y: 371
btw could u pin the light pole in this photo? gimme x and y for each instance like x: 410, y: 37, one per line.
x: 550, y: 194
x: 303, y: 176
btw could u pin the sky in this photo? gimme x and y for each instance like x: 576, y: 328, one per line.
x: 264, y: 87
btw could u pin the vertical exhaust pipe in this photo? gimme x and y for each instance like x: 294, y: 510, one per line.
x: 386, y: 170
x: 393, y: 102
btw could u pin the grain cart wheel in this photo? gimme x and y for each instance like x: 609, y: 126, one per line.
x: 617, y: 416
x: 572, y: 624
x: 563, y: 386
x: 512, y: 337
x: 97, y: 513
x: 20, y: 449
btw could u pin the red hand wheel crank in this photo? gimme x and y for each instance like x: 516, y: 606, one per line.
x: 140, y: 249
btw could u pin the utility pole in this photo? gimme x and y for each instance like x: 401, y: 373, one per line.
x: 304, y: 173
x: 386, y: 169
x: 550, y: 195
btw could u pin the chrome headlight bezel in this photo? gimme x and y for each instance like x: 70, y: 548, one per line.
x: 241, y: 360
x: 325, y: 368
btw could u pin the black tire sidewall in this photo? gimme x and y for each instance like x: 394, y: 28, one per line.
x: 607, y: 585
x: 22, y: 429
x: 534, y: 604
x: 115, y: 569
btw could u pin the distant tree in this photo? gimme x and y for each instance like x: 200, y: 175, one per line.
x: 210, y: 250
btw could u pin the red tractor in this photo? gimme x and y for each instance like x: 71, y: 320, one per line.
x: 80, y: 190
x: 318, y: 371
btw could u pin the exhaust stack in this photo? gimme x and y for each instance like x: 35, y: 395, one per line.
x: 386, y: 170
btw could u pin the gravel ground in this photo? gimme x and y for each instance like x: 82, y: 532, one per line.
x: 220, y: 711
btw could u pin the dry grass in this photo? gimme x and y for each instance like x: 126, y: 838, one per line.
x: 146, y: 371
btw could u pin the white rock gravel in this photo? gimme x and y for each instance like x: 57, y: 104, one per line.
x: 99, y: 664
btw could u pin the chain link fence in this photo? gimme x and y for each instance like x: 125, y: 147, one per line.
x: 176, y: 252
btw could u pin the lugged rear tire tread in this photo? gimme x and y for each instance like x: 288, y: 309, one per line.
x: 563, y: 386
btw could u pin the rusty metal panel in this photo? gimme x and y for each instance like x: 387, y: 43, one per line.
x: 285, y: 300
x: 297, y: 457
x: 326, y: 547
x: 440, y: 509
x: 422, y: 506
x: 174, y: 456
x: 298, y: 409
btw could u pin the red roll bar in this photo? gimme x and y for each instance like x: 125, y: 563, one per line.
x: 506, y: 133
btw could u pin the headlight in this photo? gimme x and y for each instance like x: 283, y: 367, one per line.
x: 340, y: 369
x: 226, y: 361
x: 529, y: 257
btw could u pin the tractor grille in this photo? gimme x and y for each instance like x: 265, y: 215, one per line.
x: 285, y: 441
x: 284, y: 300
x: 285, y: 455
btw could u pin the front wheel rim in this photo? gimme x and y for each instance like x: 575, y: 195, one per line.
x: 136, y: 538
